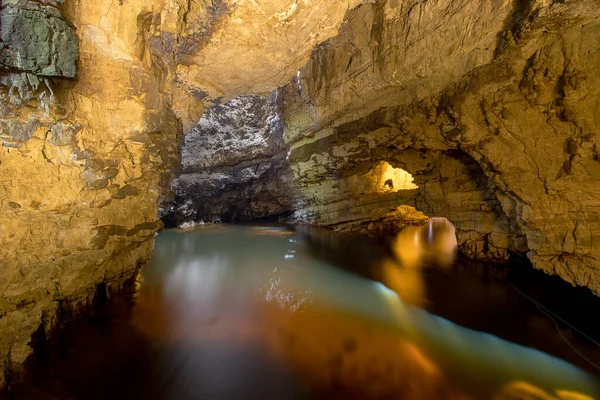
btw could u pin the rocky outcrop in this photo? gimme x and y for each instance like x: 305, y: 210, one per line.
x: 88, y: 146
x: 234, y: 165
x: 35, y: 38
x: 491, y: 106
x: 241, y: 47
x: 94, y: 98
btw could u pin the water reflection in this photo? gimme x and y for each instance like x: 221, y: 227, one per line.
x: 261, y: 288
x: 524, y: 390
x: 226, y: 313
x: 432, y: 243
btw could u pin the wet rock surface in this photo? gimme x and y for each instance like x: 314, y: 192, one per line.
x: 34, y: 37
x: 497, y: 124
x: 234, y: 165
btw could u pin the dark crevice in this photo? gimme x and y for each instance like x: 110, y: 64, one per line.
x: 513, y: 25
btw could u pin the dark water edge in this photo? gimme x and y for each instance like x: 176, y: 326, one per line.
x: 496, y: 299
x: 556, y: 304
x: 511, y: 291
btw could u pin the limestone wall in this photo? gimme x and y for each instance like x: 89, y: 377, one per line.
x: 233, y: 165
x: 492, y: 106
x: 88, y: 148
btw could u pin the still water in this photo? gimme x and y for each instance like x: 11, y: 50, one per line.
x: 256, y: 312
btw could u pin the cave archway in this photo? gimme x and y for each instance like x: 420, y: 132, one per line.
x: 453, y: 185
x: 384, y: 178
x: 390, y: 188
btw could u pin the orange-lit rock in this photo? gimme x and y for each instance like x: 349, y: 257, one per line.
x: 84, y: 164
x: 431, y: 243
x: 490, y: 106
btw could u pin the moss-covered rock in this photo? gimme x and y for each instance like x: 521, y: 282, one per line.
x: 36, y: 38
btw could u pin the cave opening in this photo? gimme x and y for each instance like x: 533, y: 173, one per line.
x: 390, y: 179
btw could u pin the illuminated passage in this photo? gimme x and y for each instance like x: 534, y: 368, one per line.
x: 394, y: 179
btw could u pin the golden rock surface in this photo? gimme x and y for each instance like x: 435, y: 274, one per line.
x: 85, y: 163
x: 492, y: 107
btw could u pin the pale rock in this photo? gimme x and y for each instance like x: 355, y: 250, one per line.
x: 234, y: 165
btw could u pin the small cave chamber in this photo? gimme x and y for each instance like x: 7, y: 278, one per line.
x: 379, y: 179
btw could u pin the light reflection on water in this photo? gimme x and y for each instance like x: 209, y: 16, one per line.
x: 239, y: 312
x: 336, y: 332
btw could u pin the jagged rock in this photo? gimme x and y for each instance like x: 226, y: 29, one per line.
x: 498, y: 99
x: 234, y: 165
x: 62, y: 134
x: 36, y: 38
x: 17, y: 130
x: 234, y: 48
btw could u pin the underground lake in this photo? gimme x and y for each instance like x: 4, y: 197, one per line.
x: 275, y: 312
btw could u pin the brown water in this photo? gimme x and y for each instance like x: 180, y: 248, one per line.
x: 242, y: 312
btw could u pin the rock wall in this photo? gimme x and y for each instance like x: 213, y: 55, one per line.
x: 88, y: 145
x: 94, y: 98
x: 234, y: 166
x: 491, y: 106
x: 36, y: 39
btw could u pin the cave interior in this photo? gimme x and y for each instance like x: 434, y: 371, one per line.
x: 385, y: 122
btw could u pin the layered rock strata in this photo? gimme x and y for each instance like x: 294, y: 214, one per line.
x: 94, y: 98
x: 234, y: 166
x: 491, y: 106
